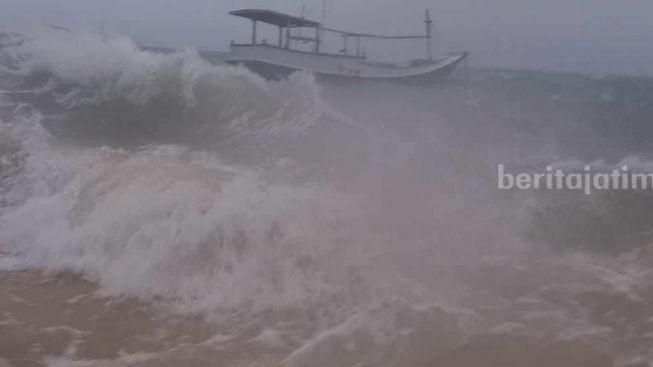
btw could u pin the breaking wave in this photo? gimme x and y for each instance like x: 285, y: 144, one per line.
x: 161, y: 220
x: 107, y: 89
x: 207, y: 191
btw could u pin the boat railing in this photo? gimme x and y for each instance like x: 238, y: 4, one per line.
x: 268, y: 45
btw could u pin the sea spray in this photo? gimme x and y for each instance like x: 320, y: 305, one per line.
x: 220, y: 217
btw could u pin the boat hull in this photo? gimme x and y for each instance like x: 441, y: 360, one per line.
x: 275, y: 64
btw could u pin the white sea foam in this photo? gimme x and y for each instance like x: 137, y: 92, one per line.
x: 377, y: 268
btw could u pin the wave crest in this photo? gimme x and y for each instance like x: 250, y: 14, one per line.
x: 106, y: 88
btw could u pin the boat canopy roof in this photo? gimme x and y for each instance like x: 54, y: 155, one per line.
x: 274, y: 18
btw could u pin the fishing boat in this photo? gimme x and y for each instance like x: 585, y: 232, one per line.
x: 290, y: 54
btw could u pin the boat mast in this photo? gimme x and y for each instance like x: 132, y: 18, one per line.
x: 323, y: 11
x: 318, y: 31
x: 429, y: 29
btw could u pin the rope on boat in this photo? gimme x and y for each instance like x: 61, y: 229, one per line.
x: 368, y: 35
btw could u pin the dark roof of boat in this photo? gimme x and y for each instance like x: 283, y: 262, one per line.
x: 274, y: 18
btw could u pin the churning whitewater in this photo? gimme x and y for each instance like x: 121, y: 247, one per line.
x: 218, y: 219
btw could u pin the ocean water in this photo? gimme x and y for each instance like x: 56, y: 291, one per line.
x: 159, y: 210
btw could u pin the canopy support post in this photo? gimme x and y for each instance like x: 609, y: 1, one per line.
x: 288, y: 37
x: 280, y: 36
x: 253, y: 32
x: 358, y: 46
x: 317, y: 39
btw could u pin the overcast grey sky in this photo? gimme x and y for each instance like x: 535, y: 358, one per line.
x: 586, y: 35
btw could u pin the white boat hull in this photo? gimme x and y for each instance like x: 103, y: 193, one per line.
x: 277, y: 63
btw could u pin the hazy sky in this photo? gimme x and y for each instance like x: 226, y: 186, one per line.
x: 587, y: 35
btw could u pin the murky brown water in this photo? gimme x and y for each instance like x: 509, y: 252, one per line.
x: 60, y: 320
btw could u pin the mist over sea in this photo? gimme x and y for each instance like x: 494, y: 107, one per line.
x: 160, y: 210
